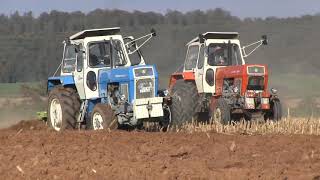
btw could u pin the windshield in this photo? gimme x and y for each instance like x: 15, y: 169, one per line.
x: 192, y: 57
x: 101, y: 54
x: 224, y: 54
x: 69, y: 59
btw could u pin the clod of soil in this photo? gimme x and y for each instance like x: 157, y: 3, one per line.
x: 29, y: 125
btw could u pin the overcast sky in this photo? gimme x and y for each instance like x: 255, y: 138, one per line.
x: 241, y: 8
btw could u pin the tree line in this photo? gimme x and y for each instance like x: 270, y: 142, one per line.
x: 31, y: 47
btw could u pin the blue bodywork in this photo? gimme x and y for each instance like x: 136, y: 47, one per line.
x: 120, y: 75
x: 60, y: 80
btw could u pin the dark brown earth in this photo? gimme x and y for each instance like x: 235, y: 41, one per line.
x: 31, y: 151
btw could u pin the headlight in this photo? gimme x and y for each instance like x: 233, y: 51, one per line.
x: 166, y: 92
x: 122, y: 97
x: 264, y: 100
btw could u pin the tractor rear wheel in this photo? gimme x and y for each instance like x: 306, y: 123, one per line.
x: 221, y: 112
x: 102, y: 117
x: 63, y: 108
x: 185, y: 102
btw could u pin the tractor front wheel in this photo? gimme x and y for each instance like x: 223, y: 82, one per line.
x: 63, y: 108
x: 221, y: 112
x: 102, y: 117
x: 165, y: 121
x: 275, y: 112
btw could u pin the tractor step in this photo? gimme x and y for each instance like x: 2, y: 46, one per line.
x: 83, y: 111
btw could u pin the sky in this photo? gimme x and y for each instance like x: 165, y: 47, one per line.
x: 240, y: 8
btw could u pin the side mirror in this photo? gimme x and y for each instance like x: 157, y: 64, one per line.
x: 67, y: 41
x: 153, y: 32
x: 264, y: 40
x: 78, y: 49
x: 201, y: 38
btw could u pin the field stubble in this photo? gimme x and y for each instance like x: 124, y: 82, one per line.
x: 287, y: 126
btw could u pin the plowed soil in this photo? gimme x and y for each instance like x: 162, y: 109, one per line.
x: 31, y: 151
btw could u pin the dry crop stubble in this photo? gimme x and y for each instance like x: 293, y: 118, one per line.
x: 287, y: 126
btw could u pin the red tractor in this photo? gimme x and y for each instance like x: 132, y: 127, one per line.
x: 216, y: 84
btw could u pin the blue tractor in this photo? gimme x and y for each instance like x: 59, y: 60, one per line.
x: 104, y: 83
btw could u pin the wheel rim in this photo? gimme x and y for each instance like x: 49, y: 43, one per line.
x: 56, y: 114
x: 217, y: 116
x: 97, y: 121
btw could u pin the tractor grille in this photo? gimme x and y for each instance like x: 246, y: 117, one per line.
x: 145, y: 88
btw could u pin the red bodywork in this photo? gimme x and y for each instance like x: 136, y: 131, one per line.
x: 240, y: 73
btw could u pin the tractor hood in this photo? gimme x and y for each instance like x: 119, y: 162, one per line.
x: 126, y: 76
x: 243, y: 75
x: 246, y: 69
x: 123, y: 74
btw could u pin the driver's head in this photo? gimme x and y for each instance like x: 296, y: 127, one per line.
x: 107, y: 60
x: 217, y: 49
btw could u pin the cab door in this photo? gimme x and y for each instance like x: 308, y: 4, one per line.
x: 199, y: 71
x: 79, y: 73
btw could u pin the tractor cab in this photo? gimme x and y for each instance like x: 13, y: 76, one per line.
x: 207, y: 53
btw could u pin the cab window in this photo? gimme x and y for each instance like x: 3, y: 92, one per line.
x: 224, y: 54
x: 99, y: 54
x: 192, y: 57
x: 102, y: 53
x: 69, y: 59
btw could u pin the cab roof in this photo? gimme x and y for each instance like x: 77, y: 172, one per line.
x: 217, y: 35
x: 95, y: 32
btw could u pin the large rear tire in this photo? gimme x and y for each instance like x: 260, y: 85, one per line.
x: 102, y: 117
x: 185, y: 102
x: 63, y: 108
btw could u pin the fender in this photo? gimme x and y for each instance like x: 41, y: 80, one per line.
x: 187, y: 76
x: 60, y: 80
